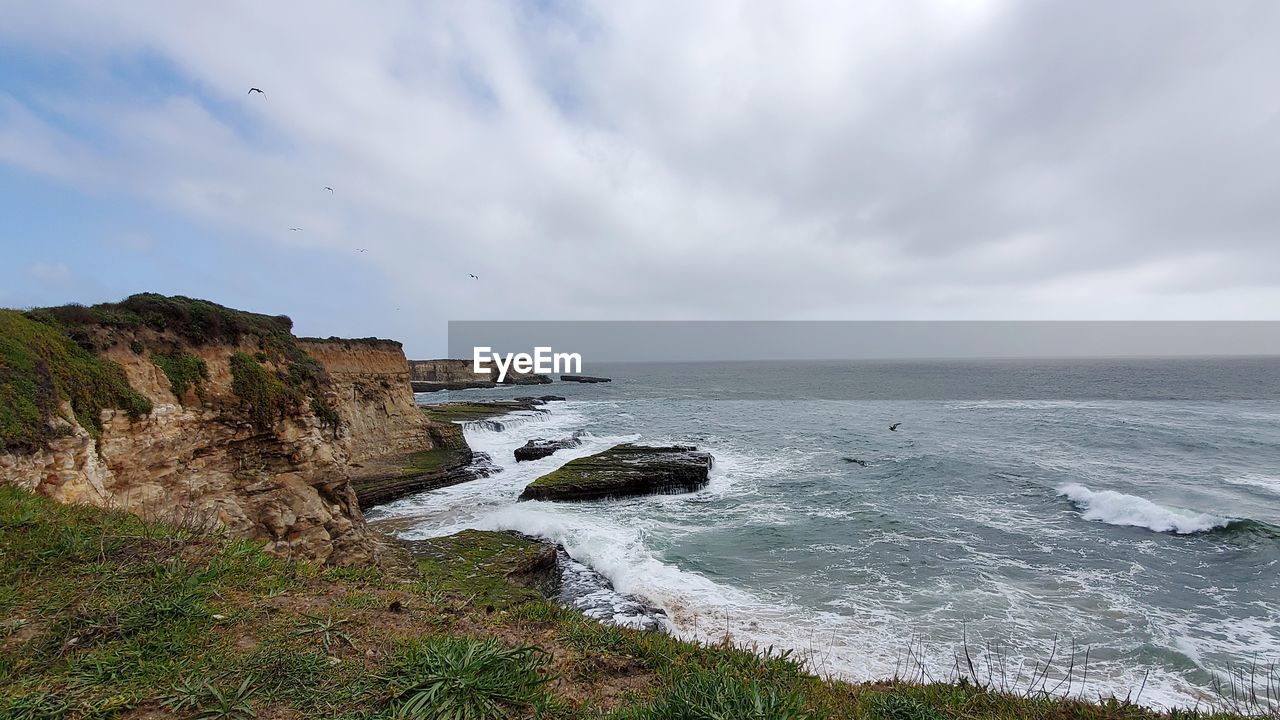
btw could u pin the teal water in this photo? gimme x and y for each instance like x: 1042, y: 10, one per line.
x: 1059, y: 510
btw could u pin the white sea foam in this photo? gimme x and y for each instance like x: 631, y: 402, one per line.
x: 857, y: 635
x: 1117, y: 508
x: 1254, y: 480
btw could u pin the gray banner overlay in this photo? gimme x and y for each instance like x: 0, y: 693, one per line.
x: 890, y: 360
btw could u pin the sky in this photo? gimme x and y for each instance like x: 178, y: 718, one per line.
x: 972, y: 159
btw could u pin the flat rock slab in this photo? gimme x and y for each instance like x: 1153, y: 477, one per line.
x: 538, y: 449
x: 471, y: 411
x: 482, y: 561
x: 584, y: 379
x: 623, y: 471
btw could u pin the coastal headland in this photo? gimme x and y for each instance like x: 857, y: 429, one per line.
x: 182, y: 489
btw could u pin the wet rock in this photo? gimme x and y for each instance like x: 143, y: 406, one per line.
x: 594, y: 596
x: 538, y: 449
x: 623, y: 471
x: 585, y: 379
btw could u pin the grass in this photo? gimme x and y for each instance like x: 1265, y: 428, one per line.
x: 103, y: 615
x: 462, y: 679
x: 41, y: 367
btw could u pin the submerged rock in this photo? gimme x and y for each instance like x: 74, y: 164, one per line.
x: 538, y: 449
x: 585, y: 379
x: 625, y: 470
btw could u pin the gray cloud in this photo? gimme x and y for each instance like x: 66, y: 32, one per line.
x: 709, y: 160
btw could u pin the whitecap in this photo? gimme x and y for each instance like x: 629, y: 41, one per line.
x: 1117, y: 508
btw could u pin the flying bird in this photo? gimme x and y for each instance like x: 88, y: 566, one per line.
x: 894, y: 427
x: 362, y: 249
x: 326, y: 187
x: 474, y: 276
x: 294, y: 229
x: 255, y: 90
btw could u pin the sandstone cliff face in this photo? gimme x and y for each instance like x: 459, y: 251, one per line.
x: 202, y: 460
x: 369, y: 387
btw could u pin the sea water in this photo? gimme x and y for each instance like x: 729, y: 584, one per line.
x: 1025, y: 510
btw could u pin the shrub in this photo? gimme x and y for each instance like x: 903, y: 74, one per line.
x: 262, y: 395
x: 39, y: 368
x: 184, y: 370
x: 197, y: 321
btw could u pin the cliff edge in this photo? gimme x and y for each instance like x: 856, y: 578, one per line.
x: 186, y: 411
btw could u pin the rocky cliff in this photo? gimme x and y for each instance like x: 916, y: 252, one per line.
x: 236, y: 423
x: 455, y: 374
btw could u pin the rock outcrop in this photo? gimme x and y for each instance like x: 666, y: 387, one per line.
x: 519, y: 559
x: 454, y: 374
x: 394, y: 449
x: 585, y: 379
x: 538, y: 449
x: 622, y: 471
x: 248, y: 429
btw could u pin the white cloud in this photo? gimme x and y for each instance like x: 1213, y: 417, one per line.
x: 709, y: 160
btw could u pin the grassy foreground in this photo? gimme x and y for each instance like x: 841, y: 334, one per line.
x: 103, y: 615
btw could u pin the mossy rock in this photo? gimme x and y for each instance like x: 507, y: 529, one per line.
x: 625, y: 470
x: 496, y: 567
x: 473, y: 411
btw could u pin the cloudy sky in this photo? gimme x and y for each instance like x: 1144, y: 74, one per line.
x: 644, y: 160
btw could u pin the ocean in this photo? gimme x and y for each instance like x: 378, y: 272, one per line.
x: 1120, y: 518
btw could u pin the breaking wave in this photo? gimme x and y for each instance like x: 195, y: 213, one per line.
x: 1117, y: 508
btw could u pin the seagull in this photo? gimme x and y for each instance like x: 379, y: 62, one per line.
x: 294, y: 229
x: 474, y: 276
x: 326, y: 187
x: 362, y: 249
x: 894, y: 427
x: 255, y: 90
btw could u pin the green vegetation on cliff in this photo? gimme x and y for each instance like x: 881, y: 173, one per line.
x: 267, y: 397
x: 263, y: 396
x: 198, y: 322
x: 105, y: 616
x: 48, y: 355
x: 184, y: 370
x: 40, y: 367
